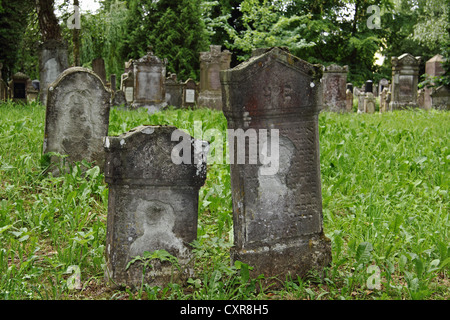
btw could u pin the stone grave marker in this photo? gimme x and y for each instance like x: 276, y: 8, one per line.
x: 405, y: 77
x: 369, y: 98
x: 334, y: 88
x: 211, y: 62
x: 277, y: 204
x: 77, y: 117
x: 18, y: 87
x: 53, y: 60
x: 190, y: 93
x: 149, y: 77
x: 3, y: 86
x: 153, y: 202
x: 440, y: 98
x: 433, y: 68
x: 98, y: 66
x: 174, y: 91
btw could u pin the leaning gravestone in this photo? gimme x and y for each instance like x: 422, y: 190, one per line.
x: 53, y: 60
x: 153, y: 202
x: 77, y: 116
x: 440, y: 98
x: 277, y: 204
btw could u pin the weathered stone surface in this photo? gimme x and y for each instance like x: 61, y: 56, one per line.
x: 277, y: 217
x: 190, y: 94
x: 153, y: 203
x: 405, y: 76
x: 440, y: 98
x: 211, y: 62
x: 149, y: 76
x: 334, y: 88
x: 98, y: 66
x: 174, y: 91
x: 77, y: 116
x: 18, y: 87
x: 53, y: 60
x: 369, y: 103
x: 433, y: 68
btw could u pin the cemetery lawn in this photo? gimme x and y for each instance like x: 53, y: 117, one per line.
x: 385, y: 190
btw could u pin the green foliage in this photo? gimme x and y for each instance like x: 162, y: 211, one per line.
x: 174, y: 29
x: 385, y: 203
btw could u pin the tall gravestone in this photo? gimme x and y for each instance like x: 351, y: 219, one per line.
x: 149, y: 76
x: 405, y: 77
x: 277, y: 207
x: 153, y: 202
x: 77, y: 117
x: 53, y: 60
x: 433, y: 68
x: 211, y: 62
x: 98, y: 66
x: 334, y: 88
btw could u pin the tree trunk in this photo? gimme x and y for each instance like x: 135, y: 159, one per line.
x: 76, y: 40
x: 48, y: 23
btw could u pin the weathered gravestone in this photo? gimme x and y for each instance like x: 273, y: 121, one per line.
x: 190, y: 93
x: 334, y: 88
x: 174, y: 91
x: 277, y: 204
x: 98, y: 66
x: 3, y: 86
x: 369, y: 98
x: 153, y: 202
x: 440, y: 98
x: 77, y: 117
x: 405, y: 77
x: 18, y: 86
x: 211, y: 62
x: 349, y: 97
x: 384, y: 100
x: 53, y: 60
x: 149, y: 77
x: 433, y: 68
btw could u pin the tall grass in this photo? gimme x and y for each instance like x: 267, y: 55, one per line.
x: 385, y: 180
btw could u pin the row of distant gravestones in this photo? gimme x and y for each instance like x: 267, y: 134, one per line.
x: 153, y: 202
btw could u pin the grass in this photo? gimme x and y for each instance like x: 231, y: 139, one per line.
x: 385, y: 183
